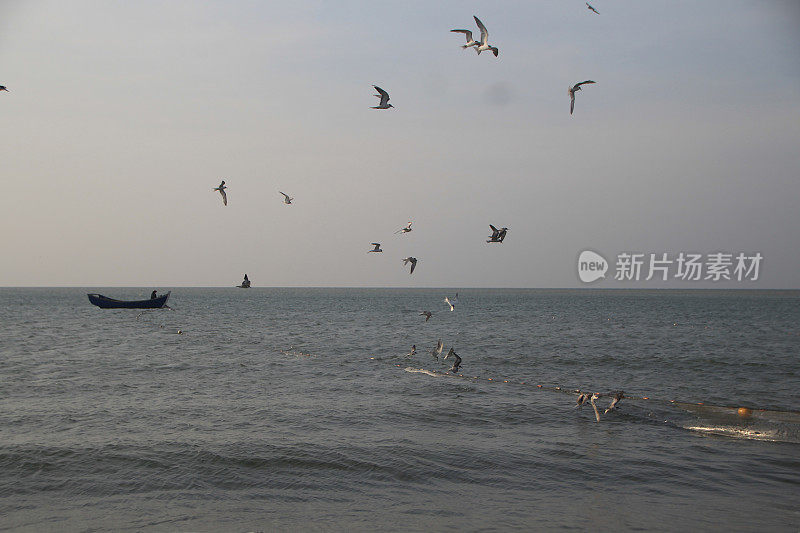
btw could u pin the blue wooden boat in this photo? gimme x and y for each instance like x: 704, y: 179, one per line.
x: 105, y: 302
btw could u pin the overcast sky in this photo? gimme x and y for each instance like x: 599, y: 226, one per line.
x: 122, y: 116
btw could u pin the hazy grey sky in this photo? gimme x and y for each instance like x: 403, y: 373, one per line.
x: 123, y: 116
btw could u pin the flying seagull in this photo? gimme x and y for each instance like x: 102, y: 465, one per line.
x: 404, y: 230
x: 427, y: 315
x: 221, y: 190
x: 436, y: 351
x: 484, y: 39
x: 286, y: 199
x: 498, y: 235
x: 470, y: 40
x: 413, y: 261
x: 457, y: 362
x: 377, y: 248
x: 3, y: 88
x: 384, y: 96
x: 452, y: 303
x: 616, y: 398
x: 571, y: 91
x: 591, y: 8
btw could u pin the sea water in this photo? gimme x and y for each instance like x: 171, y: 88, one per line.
x: 299, y: 409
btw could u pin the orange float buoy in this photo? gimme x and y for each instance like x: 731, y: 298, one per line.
x: 744, y: 412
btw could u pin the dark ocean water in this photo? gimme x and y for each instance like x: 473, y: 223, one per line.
x: 296, y: 409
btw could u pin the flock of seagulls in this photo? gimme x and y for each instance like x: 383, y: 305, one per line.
x: 616, y: 397
x: 286, y: 198
x: 437, y: 351
x: 483, y: 44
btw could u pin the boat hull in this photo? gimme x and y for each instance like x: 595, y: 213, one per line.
x: 105, y: 302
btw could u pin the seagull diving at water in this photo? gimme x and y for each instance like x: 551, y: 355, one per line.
x: 286, y: 198
x: 616, y: 398
x: 436, y: 351
x: 470, y: 40
x: 384, y: 96
x: 484, y: 39
x: 582, y: 399
x: 596, y: 412
x: 3, y: 88
x: 413, y: 261
x: 221, y: 190
x: 456, y: 363
x: 377, y: 248
x: 404, y: 230
x: 427, y: 315
x: 498, y: 235
x: 452, y: 303
x: 571, y: 91
x: 591, y: 8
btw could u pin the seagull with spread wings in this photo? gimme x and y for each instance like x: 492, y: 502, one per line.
x: 404, y: 230
x: 470, y: 40
x: 384, y: 96
x: 572, y: 90
x: 286, y: 198
x: 438, y: 350
x: 221, y: 190
x: 484, y: 45
x: 413, y: 261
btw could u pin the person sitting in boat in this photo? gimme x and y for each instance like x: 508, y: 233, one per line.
x: 153, y: 295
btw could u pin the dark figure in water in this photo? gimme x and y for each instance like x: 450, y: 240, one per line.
x: 153, y: 295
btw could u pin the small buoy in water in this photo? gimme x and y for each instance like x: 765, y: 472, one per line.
x: 744, y: 412
x: 180, y: 332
